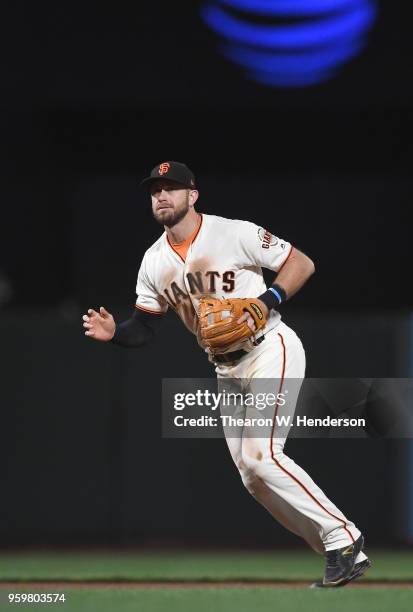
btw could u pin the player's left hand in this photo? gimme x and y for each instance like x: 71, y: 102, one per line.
x: 248, y: 318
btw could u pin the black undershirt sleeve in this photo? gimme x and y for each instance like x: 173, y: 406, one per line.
x: 138, y: 330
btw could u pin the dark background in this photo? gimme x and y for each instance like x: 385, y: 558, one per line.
x: 92, y: 98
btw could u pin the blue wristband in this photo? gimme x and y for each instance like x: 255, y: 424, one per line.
x: 273, y: 297
x: 277, y: 295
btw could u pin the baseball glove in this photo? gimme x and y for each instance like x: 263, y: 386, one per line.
x: 218, y: 321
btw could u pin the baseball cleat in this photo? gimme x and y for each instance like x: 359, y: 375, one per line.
x: 340, y: 563
x: 357, y: 572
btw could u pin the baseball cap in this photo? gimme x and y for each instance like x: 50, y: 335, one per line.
x: 171, y: 171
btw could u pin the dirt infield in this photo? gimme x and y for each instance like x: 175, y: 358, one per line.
x: 191, y: 585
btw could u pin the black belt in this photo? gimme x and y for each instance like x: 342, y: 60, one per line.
x: 228, y: 357
x: 235, y: 355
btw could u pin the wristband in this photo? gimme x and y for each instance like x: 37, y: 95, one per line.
x: 273, y: 297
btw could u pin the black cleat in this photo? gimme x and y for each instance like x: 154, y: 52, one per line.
x: 340, y: 563
x: 358, y: 571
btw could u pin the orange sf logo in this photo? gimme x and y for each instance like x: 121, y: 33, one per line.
x: 163, y: 168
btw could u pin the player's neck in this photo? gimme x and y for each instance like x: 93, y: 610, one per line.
x: 185, y: 228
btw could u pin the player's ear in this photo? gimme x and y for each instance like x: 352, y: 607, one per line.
x: 193, y: 196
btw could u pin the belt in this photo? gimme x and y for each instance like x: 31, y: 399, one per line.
x: 229, y: 357
x: 234, y: 355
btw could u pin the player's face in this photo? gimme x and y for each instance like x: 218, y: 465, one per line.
x: 170, y: 202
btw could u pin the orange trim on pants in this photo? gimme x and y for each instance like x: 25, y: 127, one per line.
x: 278, y: 464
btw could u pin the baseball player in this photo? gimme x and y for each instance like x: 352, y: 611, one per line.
x: 208, y: 269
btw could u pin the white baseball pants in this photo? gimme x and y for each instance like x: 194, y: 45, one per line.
x: 275, y: 480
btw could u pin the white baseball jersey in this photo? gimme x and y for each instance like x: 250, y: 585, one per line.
x: 225, y: 259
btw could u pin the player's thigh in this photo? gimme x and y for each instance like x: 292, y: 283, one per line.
x: 231, y: 409
x: 281, y: 355
x: 276, y: 382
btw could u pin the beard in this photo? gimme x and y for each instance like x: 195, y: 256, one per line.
x: 171, y: 216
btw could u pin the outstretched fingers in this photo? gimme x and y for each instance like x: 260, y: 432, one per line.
x: 98, y: 323
x: 88, y: 322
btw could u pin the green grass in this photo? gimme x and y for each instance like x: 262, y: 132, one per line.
x: 282, y: 566
x: 230, y: 600
x: 189, y: 566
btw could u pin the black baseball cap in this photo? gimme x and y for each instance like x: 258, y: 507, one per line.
x: 171, y: 171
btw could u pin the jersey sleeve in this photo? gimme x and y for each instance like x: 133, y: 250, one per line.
x: 259, y: 247
x: 148, y: 299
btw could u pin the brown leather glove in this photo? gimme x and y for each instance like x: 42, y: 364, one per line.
x: 218, y: 321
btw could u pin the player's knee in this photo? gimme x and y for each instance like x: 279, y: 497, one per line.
x: 250, y: 474
x: 251, y: 452
x: 254, y: 485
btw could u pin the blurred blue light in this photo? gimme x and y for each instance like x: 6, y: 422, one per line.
x: 299, y: 35
x: 291, y: 63
x: 290, y: 8
x: 298, y: 52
